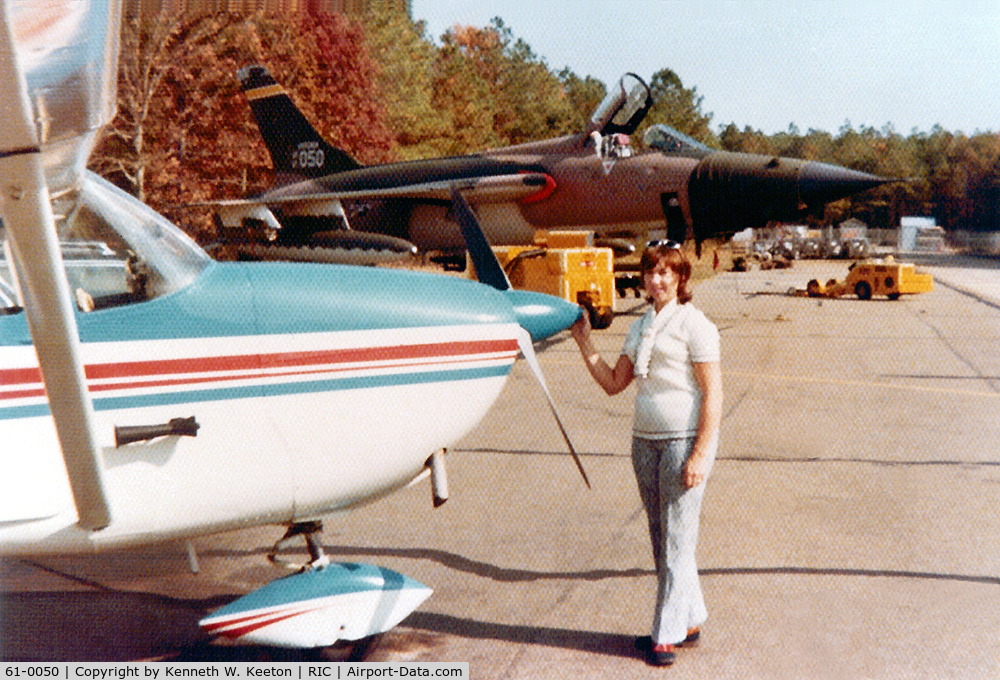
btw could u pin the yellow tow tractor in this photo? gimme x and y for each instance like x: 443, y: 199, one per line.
x: 874, y: 277
x: 565, y: 264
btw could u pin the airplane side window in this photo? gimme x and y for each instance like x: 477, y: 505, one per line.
x: 156, y: 257
x: 98, y: 277
x: 10, y: 298
x: 114, y: 253
x: 101, y: 268
x: 9, y: 302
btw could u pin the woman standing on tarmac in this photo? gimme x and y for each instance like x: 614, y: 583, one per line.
x: 673, y: 354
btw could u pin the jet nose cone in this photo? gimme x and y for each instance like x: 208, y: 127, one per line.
x: 729, y: 192
x: 542, y: 315
x: 821, y: 183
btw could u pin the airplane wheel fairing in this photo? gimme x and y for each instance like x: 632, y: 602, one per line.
x: 320, y: 608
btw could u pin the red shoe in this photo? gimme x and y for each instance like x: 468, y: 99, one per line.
x: 662, y: 655
x: 693, y: 636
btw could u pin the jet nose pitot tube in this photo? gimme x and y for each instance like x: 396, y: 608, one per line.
x: 729, y: 192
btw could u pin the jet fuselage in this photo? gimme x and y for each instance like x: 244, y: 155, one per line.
x: 595, y: 179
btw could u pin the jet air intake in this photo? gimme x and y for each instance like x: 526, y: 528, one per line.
x: 729, y: 192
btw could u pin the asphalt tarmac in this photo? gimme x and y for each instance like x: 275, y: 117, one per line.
x: 849, y: 528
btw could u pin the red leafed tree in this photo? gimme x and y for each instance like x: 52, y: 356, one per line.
x: 184, y: 132
x: 323, y: 62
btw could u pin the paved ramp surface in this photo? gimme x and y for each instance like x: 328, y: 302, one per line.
x: 850, y: 529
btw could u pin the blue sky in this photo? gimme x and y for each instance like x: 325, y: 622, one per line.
x: 815, y: 63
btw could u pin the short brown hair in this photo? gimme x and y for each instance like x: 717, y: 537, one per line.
x: 675, y: 258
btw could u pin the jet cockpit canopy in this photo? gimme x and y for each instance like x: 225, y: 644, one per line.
x: 624, y: 107
x: 669, y: 141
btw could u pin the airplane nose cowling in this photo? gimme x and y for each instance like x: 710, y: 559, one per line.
x: 542, y: 315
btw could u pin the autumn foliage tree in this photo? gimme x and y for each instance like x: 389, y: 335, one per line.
x: 406, y: 66
x: 127, y: 149
x: 585, y: 95
x: 323, y: 61
x: 184, y: 132
x: 497, y: 91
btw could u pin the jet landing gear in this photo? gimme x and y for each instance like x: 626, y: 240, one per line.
x: 308, y: 531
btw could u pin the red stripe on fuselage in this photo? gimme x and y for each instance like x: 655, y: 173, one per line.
x: 104, y: 387
x: 20, y: 376
x: 292, y: 359
x: 22, y: 394
x: 23, y: 377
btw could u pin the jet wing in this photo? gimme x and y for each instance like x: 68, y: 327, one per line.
x: 298, y: 199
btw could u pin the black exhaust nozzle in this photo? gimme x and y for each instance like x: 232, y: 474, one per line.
x: 181, y: 427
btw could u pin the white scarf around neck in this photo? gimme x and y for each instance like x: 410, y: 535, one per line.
x: 648, y: 337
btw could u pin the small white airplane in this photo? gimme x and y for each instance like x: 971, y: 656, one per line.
x: 149, y: 393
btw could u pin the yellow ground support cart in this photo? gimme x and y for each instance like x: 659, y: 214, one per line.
x: 565, y: 264
x: 875, y: 277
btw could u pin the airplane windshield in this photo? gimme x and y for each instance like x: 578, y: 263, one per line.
x: 116, y: 251
x: 623, y: 108
x: 668, y: 140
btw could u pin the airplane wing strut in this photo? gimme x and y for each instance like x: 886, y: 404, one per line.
x: 27, y: 216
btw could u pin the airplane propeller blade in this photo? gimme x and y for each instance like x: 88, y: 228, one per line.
x: 543, y: 314
x: 528, y: 350
x: 488, y: 269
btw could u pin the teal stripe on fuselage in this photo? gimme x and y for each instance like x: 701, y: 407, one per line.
x: 270, y: 390
x: 32, y: 411
x: 265, y: 298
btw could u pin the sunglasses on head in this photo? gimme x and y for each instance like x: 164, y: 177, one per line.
x: 663, y: 243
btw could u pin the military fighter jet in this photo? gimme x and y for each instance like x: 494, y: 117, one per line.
x: 594, y: 179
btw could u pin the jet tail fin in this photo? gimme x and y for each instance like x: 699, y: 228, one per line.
x: 296, y: 149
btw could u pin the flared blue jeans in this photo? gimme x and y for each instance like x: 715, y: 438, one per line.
x: 673, y: 513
